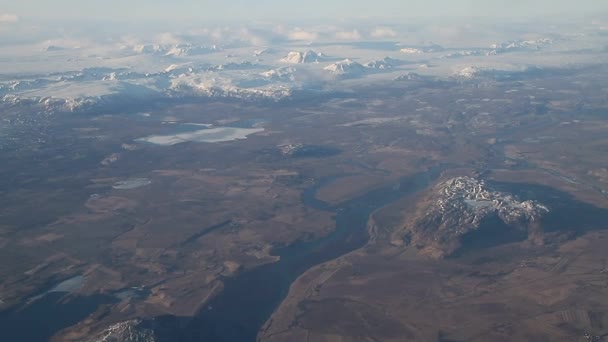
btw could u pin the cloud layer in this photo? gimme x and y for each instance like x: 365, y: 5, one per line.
x: 7, y: 18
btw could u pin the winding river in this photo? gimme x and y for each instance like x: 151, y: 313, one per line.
x: 249, y: 299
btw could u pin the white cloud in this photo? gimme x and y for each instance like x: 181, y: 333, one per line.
x: 348, y: 35
x: 233, y: 35
x: 383, y: 32
x: 299, y: 34
x: 254, y: 37
x: 168, y: 38
x: 8, y: 18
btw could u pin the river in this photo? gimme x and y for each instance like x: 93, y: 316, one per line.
x: 249, y: 299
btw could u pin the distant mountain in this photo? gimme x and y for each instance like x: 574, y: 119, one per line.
x: 512, y: 73
x: 470, y: 72
x: 385, y: 63
x: 111, y: 77
x: 519, y: 45
x: 464, y: 53
x: 232, y: 66
x: 263, y: 51
x: 190, y: 50
x: 309, y: 56
x: 92, y: 88
x: 52, y: 48
x: 506, y: 47
x: 410, y: 76
x: 148, y: 49
x: 346, y: 67
x: 280, y: 74
x: 422, y: 49
x: 177, y: 69
x: 176, y: 50
x: 411, y: 50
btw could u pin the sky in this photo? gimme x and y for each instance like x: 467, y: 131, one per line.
x: 252, y: 10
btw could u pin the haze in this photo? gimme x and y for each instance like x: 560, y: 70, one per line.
x: 241, y: 10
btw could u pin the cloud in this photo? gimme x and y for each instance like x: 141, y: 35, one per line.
x: 168, y: 38
x: 255, y: 37
x: 299, y: 34
x: 348, y: 35
x: 383, y: 32
x: 8, y: 18
x: 453, y: 32
x: 241, y: 36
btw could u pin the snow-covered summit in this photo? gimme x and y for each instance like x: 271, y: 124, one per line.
x: 408, y: 76
x: 469, y: 72
x: 384, y: 63
x: 148, y: 49
x: 190, y: 50
x: 280, y: 74
x: 518, y: 45
x: 296, y: 57
x: 175, y: 50
x: 422, y: 49
x: 346, y: 67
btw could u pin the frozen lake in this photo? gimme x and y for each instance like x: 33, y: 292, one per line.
x: 131, y: 184
x: 208, y: 135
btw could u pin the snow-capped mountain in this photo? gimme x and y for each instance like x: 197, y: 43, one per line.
x: 232, y: 66
x: 148, y: 49
x: 280, y: 74
x: 464, y: 53
x: 78, y: 75
x: 190, y: 50
x: 52, y: 48
x: 296, y: 57
x: 178, y: 69
x: 93, y: 87
x: 409, y: 76
x: 510, y: 73
x: 176, y: 50
x: 470, y: 72
x: 385, y: 63
x: 345, y: 68
x: 411, y: 51
x: 422, y: 49
x: 263, y: 51
x: 459, y: 206
x: 506, y: 47
x: 518, y: 45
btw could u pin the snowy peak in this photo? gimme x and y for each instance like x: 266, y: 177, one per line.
x: 280, y: 74
x: 296, y: 57
x: 459, y: 206
x: 469, y: 72
x: 409, y: 76
x: 176, y: 50
x: 148, y: 49
x: 385, y: 63
x: 411, y: 51
x: 232, y: 66
x: 518, y: 45
x: 52, y: 48
x: 424, y: 49
x: 346, y: 67
x: 190, y: 50
x: 177, y: 69
x: 518, y: 73
x: 262, y: 51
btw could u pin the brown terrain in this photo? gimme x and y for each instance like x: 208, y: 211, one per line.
x: 550, y: 288
x: 212, y: 211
